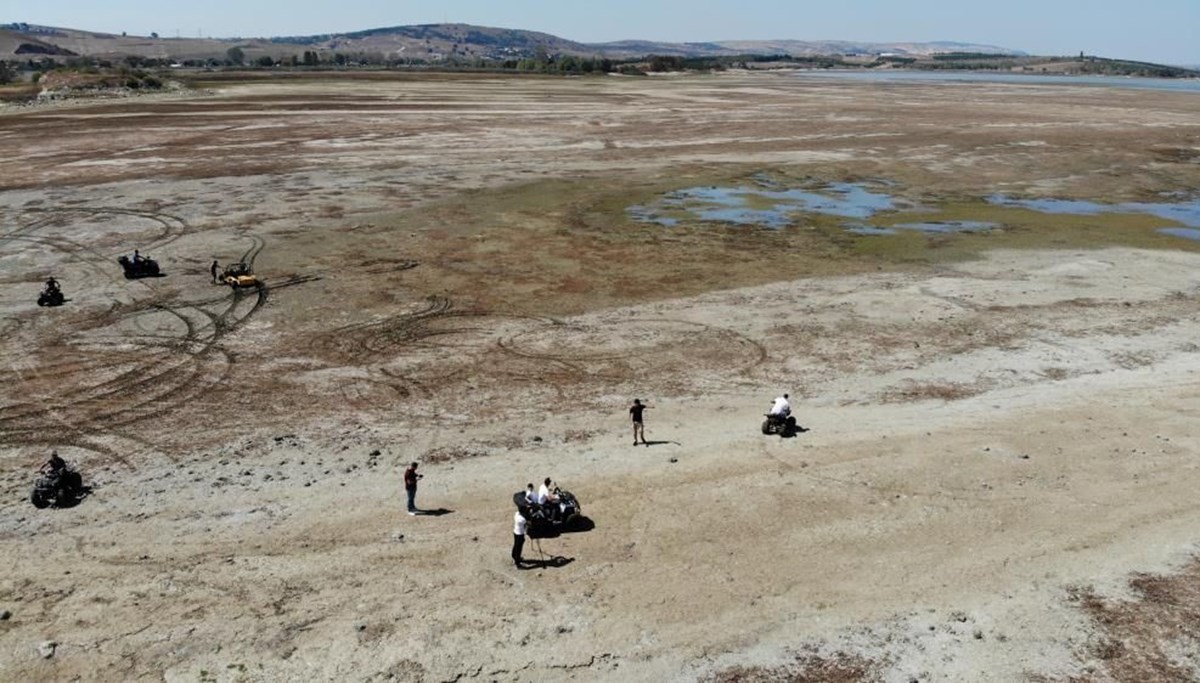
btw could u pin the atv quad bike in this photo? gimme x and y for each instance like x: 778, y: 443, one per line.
x: 783, y: 425
x: 51, y: 297
x: 59, y: 489
x: 551, y: 518
x: 142, y: 267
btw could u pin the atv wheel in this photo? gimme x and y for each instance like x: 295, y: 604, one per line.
x: 40, y: 499
x: 766, y: 427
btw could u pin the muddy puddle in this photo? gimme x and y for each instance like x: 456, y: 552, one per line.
x: 1186, y: 213
x: 871, y: 209
x: 765, y: 204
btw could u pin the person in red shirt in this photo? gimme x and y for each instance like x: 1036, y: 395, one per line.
x: 410, y: 487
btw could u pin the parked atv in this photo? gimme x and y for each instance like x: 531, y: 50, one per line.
x: 51, y: 297
x: 60, y: 489
x: 783, y: 425
x: 551, y: 518
x: 139, y: 267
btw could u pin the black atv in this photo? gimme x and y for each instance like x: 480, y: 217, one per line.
x: 552, y: 518
x: 139, y: 267
x: 783, y: 425
x: 51, y: 297
x: 63, y: 488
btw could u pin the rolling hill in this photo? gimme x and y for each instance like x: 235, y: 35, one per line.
x: 429, y: 42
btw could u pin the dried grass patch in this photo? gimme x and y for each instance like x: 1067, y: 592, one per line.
x: 1056, y: 373
x: 577, y: 435
x: 443, y: 454
x: 1131, y: 360
x: 924, y: 391
x: 1150, y: 639
x: 838, y: 668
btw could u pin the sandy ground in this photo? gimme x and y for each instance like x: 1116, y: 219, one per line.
x: 987, y: 439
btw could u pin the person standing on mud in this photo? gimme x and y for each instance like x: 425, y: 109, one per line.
x: 410, y: 487
x: 639, y: 428
x: 213, y: 270
x: 519, y: 525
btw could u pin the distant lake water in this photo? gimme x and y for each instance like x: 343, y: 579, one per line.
x: 902, y: 76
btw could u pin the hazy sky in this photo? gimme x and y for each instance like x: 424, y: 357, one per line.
x: 1151, y: 30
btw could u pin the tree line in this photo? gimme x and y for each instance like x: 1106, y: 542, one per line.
x: 543, y: 62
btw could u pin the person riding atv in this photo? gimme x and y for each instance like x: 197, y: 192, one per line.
x: 54, y: 465
x: 779, y: 418
x: 58, y: 484
x: 561, y: 512
x: 51, y: 294
x: 139, y: 266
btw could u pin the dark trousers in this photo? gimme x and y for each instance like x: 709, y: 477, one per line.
x: 412, y: 498
x: 518, y: 544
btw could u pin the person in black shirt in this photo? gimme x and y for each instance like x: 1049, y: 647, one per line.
x: 54, y: 465
x: 639, y: 431
x: 410, y: 487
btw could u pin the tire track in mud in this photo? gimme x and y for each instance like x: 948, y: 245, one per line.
x: 117, y: 379
x: 152, y: 349
x: 73, y: 251
x: 152, y: 377
x: 171, y: 227
x: 373, y: 338
x: 25, y: 230
x: 582, y: 366
x: 256, y: 246
x: 429, y: 328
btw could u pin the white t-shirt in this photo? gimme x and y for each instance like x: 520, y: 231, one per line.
x: 781, y: 407
x: 530, y: 496
x: 518, y: 524
x: 543, y: 494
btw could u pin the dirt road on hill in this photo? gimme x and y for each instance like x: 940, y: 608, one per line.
x: 1000, y: 428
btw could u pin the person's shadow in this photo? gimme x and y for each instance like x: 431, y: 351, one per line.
x: 796, y: 432
x: 660, y: 443
x: 436, y: 512
x: 550, y: 561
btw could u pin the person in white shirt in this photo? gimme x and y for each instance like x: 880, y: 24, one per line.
x: 548, y: 501
x: 518, y: 538
x: 544, y: 494
x: 531, y: 496
x: 781, y: 408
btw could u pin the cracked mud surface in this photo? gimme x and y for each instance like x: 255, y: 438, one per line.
x: 449, y: 276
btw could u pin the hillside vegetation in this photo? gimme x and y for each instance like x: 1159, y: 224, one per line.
x: 27, y: 50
